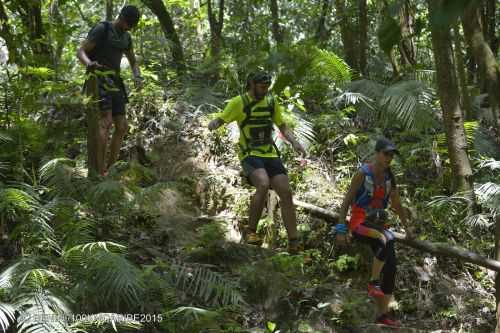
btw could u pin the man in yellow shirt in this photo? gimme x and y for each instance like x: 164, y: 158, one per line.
x: 256, y: 114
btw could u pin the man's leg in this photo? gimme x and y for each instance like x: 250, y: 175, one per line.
x: 105, y: 122
x: 121, y: 128
x: 260, y: 180
x: 281, y: 185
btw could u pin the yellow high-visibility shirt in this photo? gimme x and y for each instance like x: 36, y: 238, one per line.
x: 234, y: 112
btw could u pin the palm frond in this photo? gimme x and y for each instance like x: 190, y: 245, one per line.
x: 456, y: 200
x: 302, y: 129
x: 79, y: 254
x: 354, y: 98
x: 329, y: 65
x: 479, y: 221
x: 15, y: 202
x: 42, y: 312
x: 490, y: 163
x: 371, y: 89
x: 488, y: 194
x: 424, y: 75
x: 39, y: 278
x: 4, y: 166
x: 4, y: 137
x: 8, y: 275
x: 7, y: 316
x: 211, y: 287
x: 410, y: 102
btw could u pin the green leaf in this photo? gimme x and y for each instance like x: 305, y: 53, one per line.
x: 271, y: 326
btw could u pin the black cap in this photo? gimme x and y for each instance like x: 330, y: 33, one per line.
x: 260, y: 77
x: 131, y: 14
x: 385, y: 145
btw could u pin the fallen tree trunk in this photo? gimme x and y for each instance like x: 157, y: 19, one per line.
x: 441, y: 249
x: 317, y: 211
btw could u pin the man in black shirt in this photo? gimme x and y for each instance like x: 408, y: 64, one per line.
x: 101, y: 52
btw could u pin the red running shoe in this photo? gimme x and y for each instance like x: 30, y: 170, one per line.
x: 387, y: 321
x: 374, y: 289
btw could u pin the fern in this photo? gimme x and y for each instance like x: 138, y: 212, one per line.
x: 210, y: 286
x: 110, y: 193
x: 114, y: 279
x: 117, y: 279
x: 63, y: 177
x: 470, y: 130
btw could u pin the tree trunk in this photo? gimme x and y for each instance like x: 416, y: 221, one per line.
x: 484, y: 57
x: 489, y: 24
x: 195, y: 9
x: 449, y: 97
x: 363, y: 35
x: 462, y: 76
x: 109, y: 10
x: 277, y: 33
x: 167, y: 25
x: 407, y: 46
x: 8, y: 36
x: 348, y: 34
x: 216, y: 23
x: 31, y: 15
x: 322, y: 33
x: 441, y: 249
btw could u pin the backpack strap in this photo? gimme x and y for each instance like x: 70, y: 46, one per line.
x: 247, y: 109
x: 104, y: 38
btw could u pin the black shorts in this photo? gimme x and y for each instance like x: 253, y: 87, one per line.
x: 272, y: 165
x: 112, y: 94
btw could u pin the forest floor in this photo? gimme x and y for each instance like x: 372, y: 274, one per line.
x: 204, y: 207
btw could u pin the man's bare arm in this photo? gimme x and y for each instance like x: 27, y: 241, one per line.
x: 288, y: 134
x: 82, y: 54
x: 136, y: 72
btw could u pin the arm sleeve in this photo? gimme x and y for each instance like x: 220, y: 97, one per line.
x: 96, y: 34
x: 278, y: 115
x: 231, y: 111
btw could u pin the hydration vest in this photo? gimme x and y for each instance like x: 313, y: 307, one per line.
x: 364, y: 195
x: 257, y: 127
